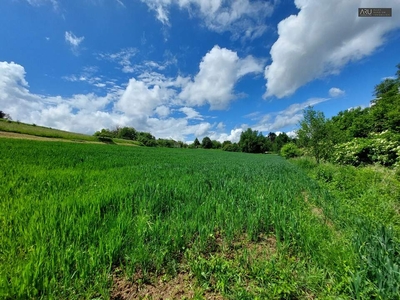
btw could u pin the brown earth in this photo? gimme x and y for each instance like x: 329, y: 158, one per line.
x: 184, y: 285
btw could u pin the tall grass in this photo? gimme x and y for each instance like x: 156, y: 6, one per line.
x: 70, y: 214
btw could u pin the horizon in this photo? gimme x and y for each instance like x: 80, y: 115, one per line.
x: 188, y: 69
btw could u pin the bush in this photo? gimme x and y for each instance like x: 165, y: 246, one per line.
x: 290, y: 150
x: 231, y: 147
x: 382, y: 148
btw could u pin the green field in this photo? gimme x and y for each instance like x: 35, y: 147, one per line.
x: 74, y: 217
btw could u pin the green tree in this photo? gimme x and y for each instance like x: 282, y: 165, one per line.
x: 313, y: 133
x: 147, y: 139
x: 231, y: 147
x: 127, y: 133
x: 3, y: 115
x: 272, y: 136
x: 385, y: 108
x: 280, y: 141
x: 206, y: 143
x: 226, y: 143
x: 196, y: 143
x: 251, y: 141
x: 290, y: 150
x: 216, y: 144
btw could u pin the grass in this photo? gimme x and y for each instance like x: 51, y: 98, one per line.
x: 18, y: 127
x: 73, y: 214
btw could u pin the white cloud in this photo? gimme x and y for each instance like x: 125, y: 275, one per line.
x: 336, y: 92
x: 244, y: 18
x: 191, y: 113
x: 121, y: 3
x: 292, y: 134
x: 54, y: 3
x: 287, y: 117
x: 389, y: 77
x: 214, y: 84
x: 221, y: 126
x: 233, y: 136
x: 144, y: 102
x: 89, y: 75
x: 162, y: 111
x: 73, y: 41
x: 324, y: 37
x: 139, y: 99
x: 123, y: 58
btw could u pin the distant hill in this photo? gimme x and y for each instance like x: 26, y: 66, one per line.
x: 26, y: 130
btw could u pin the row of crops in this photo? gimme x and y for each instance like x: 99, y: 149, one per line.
x: 71, y: 214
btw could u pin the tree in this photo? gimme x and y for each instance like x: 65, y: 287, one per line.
x: 271, y: 136
x: 226, y: 143
x: 251, y: 141
x: 313, y: 133
x: 290, y: 150
x: 147, y: 139
x: 127, y: 133
x: 281, y: 140
x: 3, y: 115
x: 216, y: 144
x: 385, y: 108
x: 206, y: 143
x: 231, y: 147
x: 196, y: 143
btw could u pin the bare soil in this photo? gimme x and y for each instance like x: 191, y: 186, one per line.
x: 184, y: 285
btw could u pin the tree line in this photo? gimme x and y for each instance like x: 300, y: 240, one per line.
x: 357, y: 136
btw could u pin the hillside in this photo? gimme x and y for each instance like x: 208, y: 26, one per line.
x: 19, y: 130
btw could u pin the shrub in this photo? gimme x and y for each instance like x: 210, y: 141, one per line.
x: 231, y: 147
x: 382, y: 148
x: 290, y: 150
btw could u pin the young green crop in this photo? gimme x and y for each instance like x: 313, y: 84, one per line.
x: 71, y: 214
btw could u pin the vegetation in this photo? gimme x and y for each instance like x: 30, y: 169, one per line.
x: 73, y: 214
x: 290, y: 151
x: 357, y: 136
x: 18, y: 127
x: 5, y: 116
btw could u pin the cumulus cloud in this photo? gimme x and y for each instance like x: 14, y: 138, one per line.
x: 336, y: 92
x: 73, y: 41
x: 147, y: 102
x: 140, y: 99
x: 137, y: 105
x: 321, y: 39
x: 162, y: 111
x: 214, y: 83
x: 244, y: 18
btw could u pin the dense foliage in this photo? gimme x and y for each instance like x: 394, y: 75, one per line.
x: 290, y: 151
x: 357, y: 136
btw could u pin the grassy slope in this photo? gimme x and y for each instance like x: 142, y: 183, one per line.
x: 18, y: 127
x: 72, y: 214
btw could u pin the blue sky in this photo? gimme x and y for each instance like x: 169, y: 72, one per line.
x: 190, y: 68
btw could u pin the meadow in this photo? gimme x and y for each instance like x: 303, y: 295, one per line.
x: 74, y: 217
